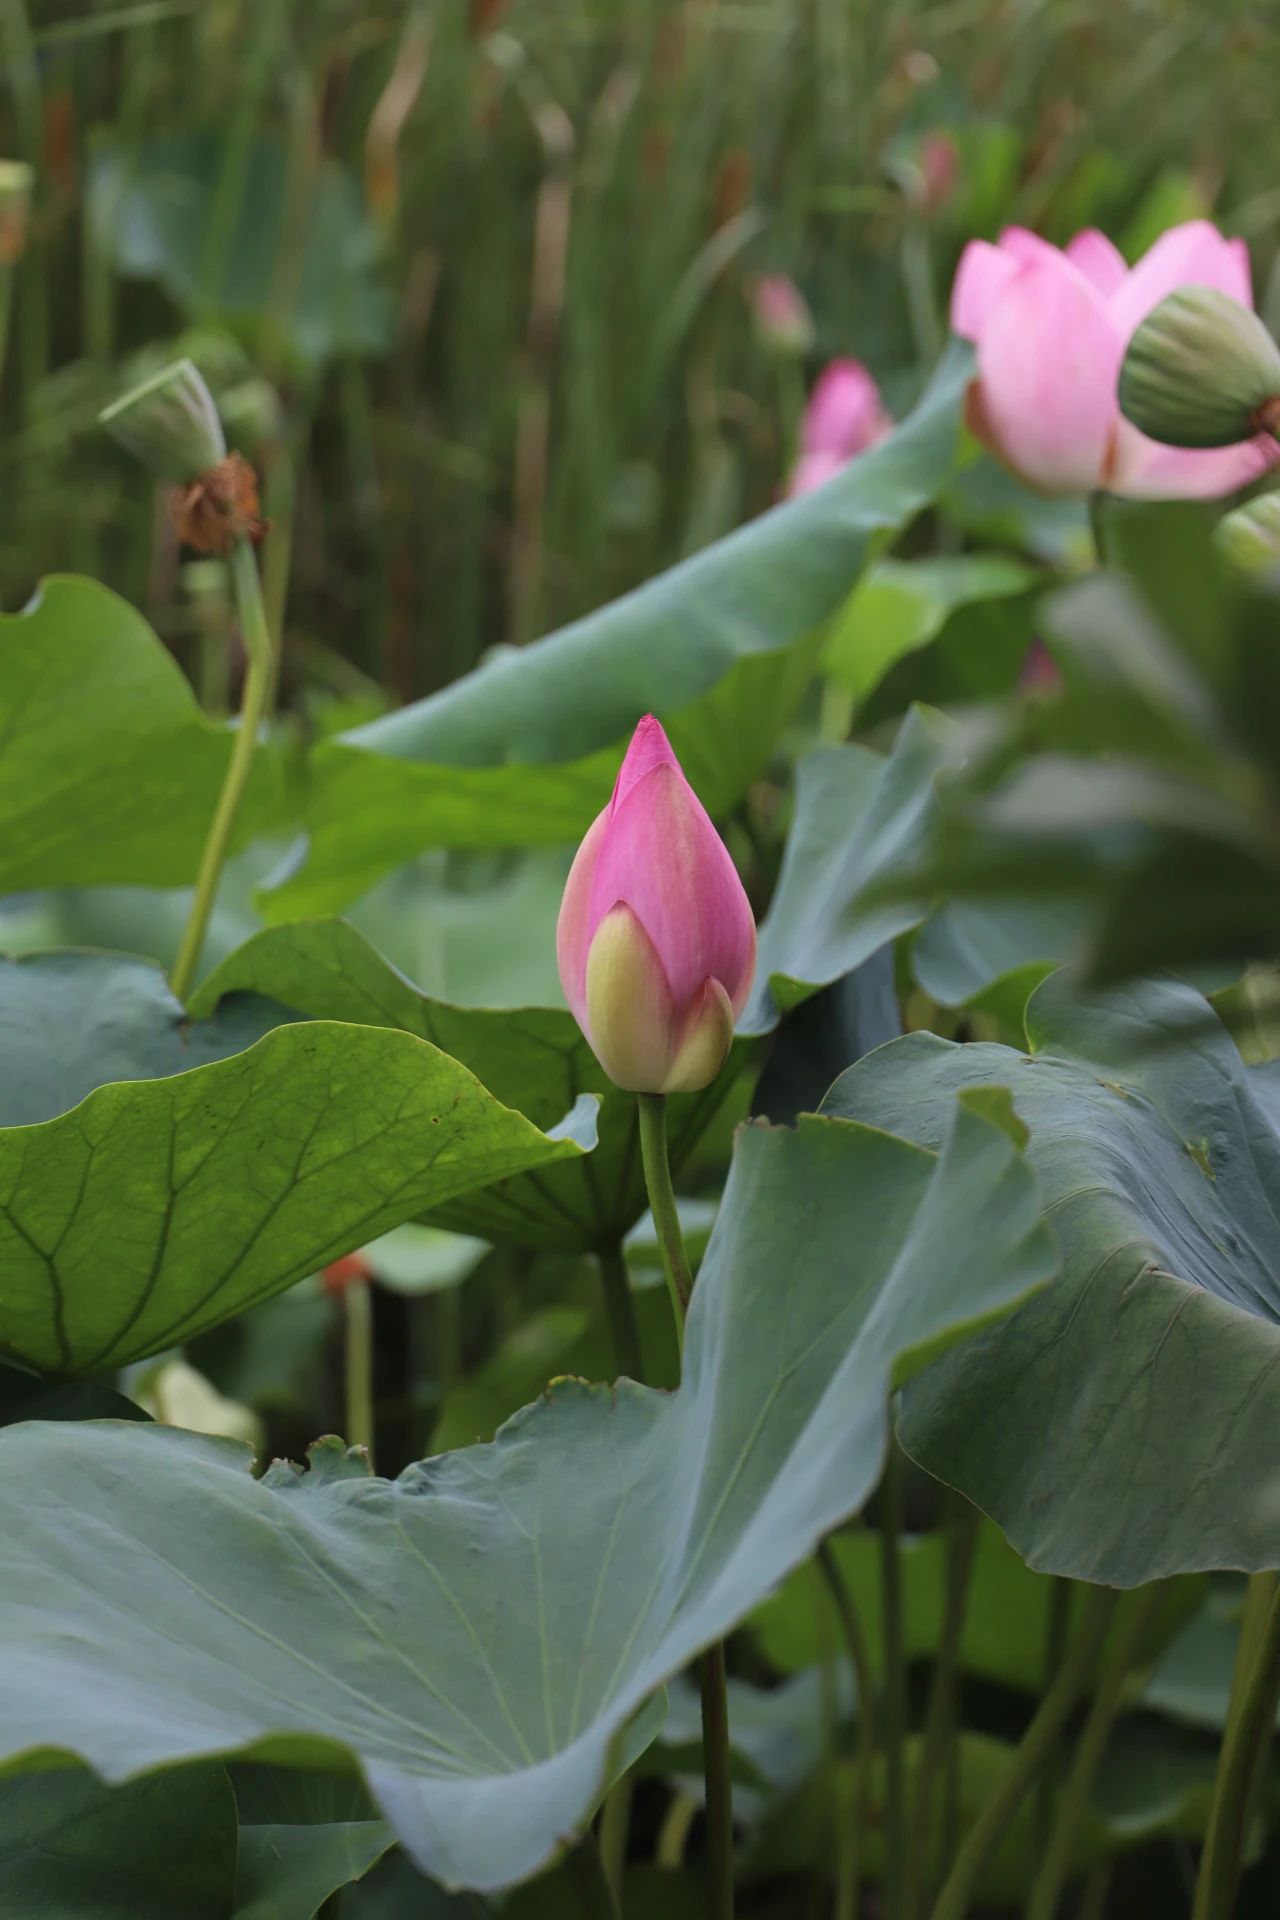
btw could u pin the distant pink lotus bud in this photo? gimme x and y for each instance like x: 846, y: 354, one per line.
x: 1051, y: 327
x: 656, y: 941
x: 844, y: 417
x: 939, y: 170
x: 781, y: 313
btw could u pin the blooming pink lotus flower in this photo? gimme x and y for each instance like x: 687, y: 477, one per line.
x: 656, y: 942
x: 844, y: 417
x: 1051, y: 326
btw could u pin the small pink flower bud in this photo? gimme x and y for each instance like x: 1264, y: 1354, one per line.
x: 939, y: 170
x: 781, y: 313
x: 844, y: 417
x: 656, y: 941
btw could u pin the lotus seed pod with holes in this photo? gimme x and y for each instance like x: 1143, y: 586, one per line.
x: 1199, y: 370
x: 169, y: 423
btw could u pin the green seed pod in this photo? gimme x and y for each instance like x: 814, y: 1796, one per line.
x: 252, y: 415
x: 1249, y: 538
x: 170, y: 423
x: 1199, y: 372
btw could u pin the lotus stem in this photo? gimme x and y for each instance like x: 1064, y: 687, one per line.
x: 357, y: 1308
x: 596, y: 1898
x: 624, y: 1329
x: 715, y: 1699
x: 715, y: 1752
x: 895, y: 1682
x: 1034, y: 1749
x: 1251, y: 1716
x: 257, y: 687
x: 851, y: 1844
x: 1090, y: 1748
x: 662, y: 1200
x: 930, y: 1822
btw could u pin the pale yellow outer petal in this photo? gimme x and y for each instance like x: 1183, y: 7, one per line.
x: 706, y: 1043
x: 630, y: 1016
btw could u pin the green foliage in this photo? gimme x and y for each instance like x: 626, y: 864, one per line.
x: 151, y: 1208
x: 227, y: 234
x: 508, y: 1677
x: 477, y: 290
x: 159, y: 1845
x: 1135, y: 1396
x: 110, y: 771
x: 858, y: 816
x: 722, y: 648
x: 534, y: 1060
x: 904, y: 605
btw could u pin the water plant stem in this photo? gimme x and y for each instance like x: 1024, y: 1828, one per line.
x: 1057, y: 1631
x: 624, y: 1330
x: 715, y: 1760
x: 662, y: 1201
x: 1093, y: 1894
x: 715, y: 1700
x: 23, y: 76
x: 357, y: 1364
x: 1073, y: 1803
x: 851, y: 1842
x: 1034, y: 1749
x: 1255, y: 1694
x: 895, y: 1682
x: 257, y: 685
x: 596, y: 1898
x: 932, y: 1842
x: 615, y: 1827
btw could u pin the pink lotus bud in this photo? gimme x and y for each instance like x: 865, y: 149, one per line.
x: 844, y: 417
x: 1051, y: 327
x: 781, y: 313
x: 939, y: 170
x: 656, y: 941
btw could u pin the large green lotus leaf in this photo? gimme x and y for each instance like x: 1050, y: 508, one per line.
x: 70, y: 1022
x: 858, y: 818
x: 534, y: 1059
x: 109, y: 771
x: 141, y: 1204
x: 395, y: 1888
x: 481, y: 1633
x: 26, y: 1396
x: 523, y: 751
x: 902, y: 605
x: 163, y: 213
x: 304, y: 1834
x: 990, y: 955
x: 1126, y: 1425
x: 289, y: 1872
x: 74, y: 1849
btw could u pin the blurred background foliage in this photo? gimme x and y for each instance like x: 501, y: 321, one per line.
x: 495, y: 263
x: 476, y: 284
